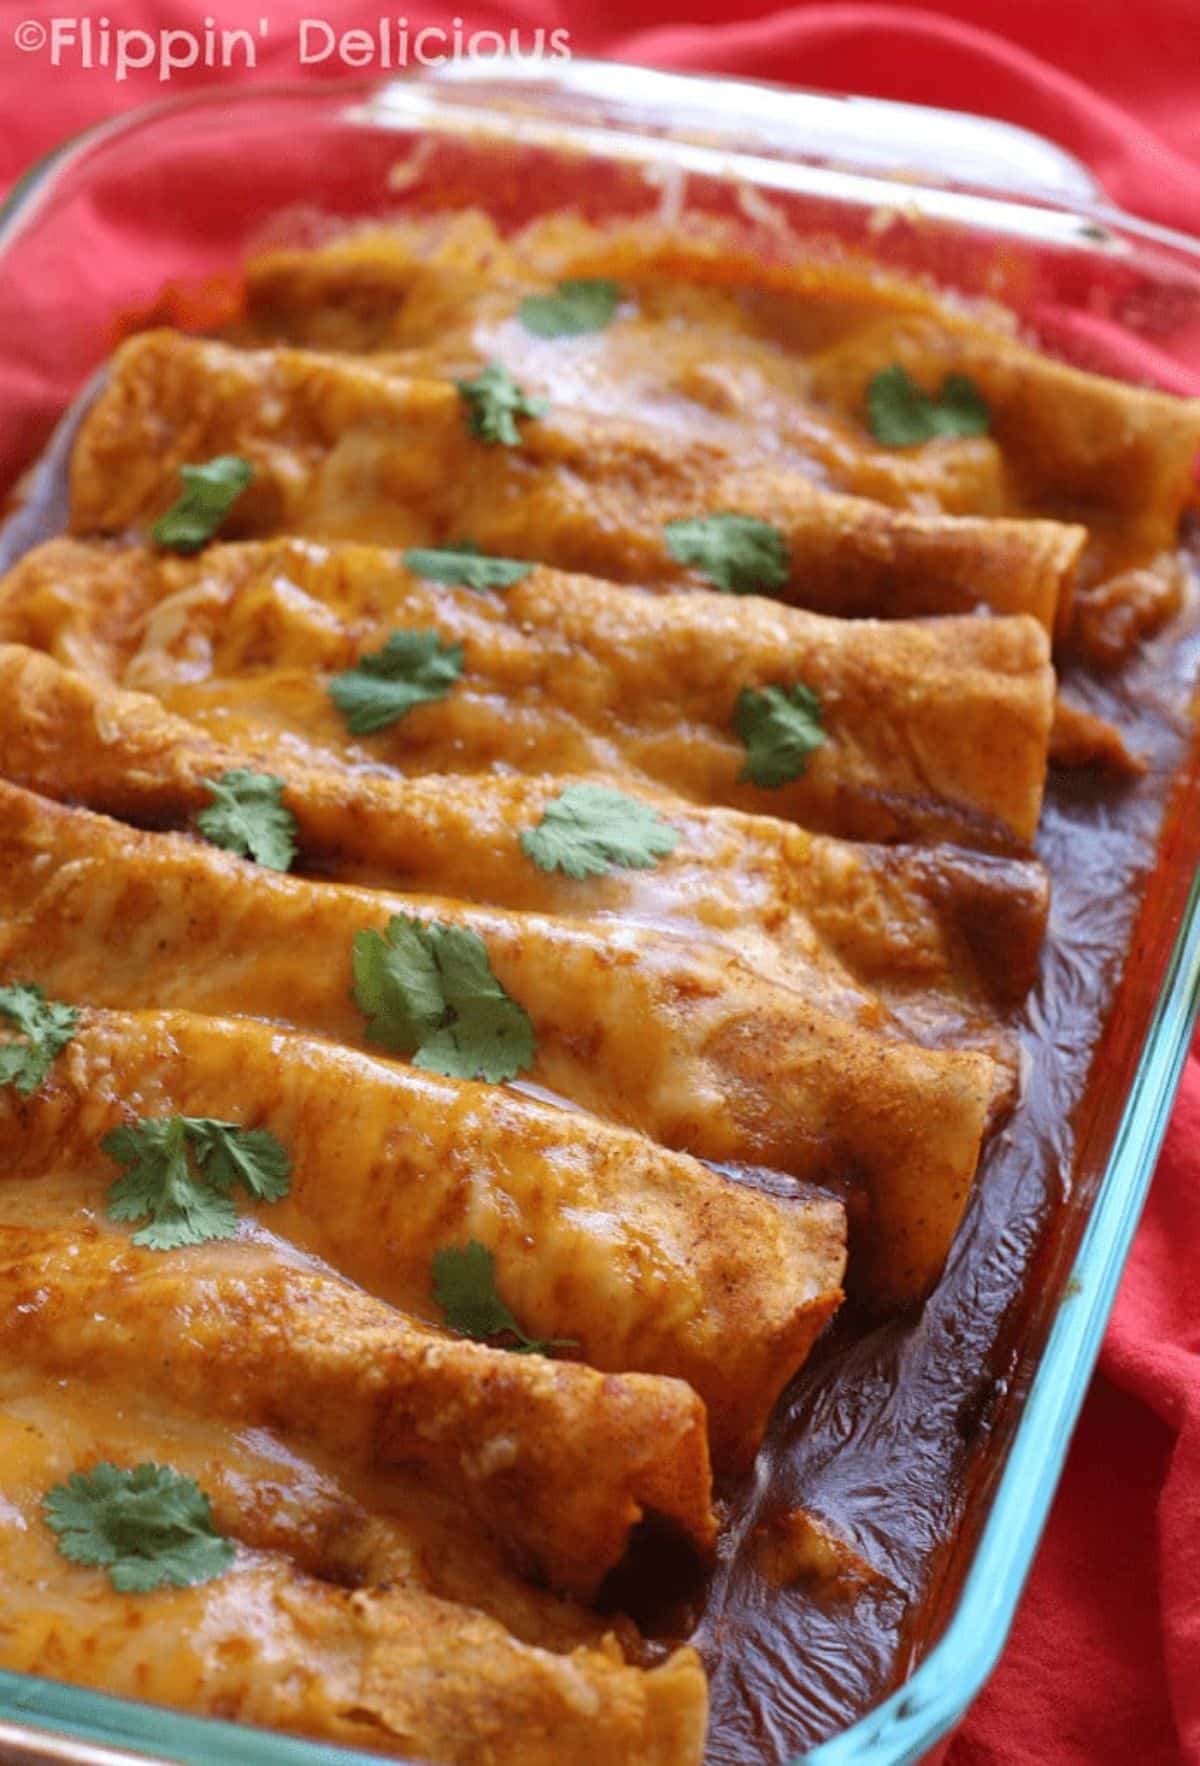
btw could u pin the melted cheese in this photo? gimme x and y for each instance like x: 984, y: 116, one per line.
x: 343, y: 450
x: 665, y: 1034
x: 774, y: 991
x: 936, y: 728
x: 643, y: 1257
x: 937, y: 931
x: 775, y: 358
x: 251, y: 1336
x: 338, y: 1581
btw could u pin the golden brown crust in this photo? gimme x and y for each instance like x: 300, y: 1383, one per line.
x: 447, y: 1681
x: 342, y: 450
x: 936, y: 728
x: 662, y: 1033
x: 1080, y: 739
x: 643, y: 1258
x: 558, y: 1461
x: 1117, y: 457
x: 773, y: 992
x: 774, y: 353
x: 901, y: 920
x: 487, y: 1686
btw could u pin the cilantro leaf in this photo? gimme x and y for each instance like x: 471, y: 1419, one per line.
x: 247, y: 816
x: 209, y: 493
x: 579, y: 304
x: 149, y: 1528
x: 740, y: 554
x: 397, y: 985
x: 465, y: 564
x: 494, y: 401
x: 901, y: 415
x: 487, y: 1034
x: 180, y: 1171
x: 160, y: 1181
x: 781, y: 727
x: 427, y: 990
x: 587, y: 829
x: 231, y: 1155
x: 47, y: 1028
x: 464, y: 1286
x: 413, y: 668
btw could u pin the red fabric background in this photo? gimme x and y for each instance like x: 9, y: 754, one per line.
x: 1104, y: 1663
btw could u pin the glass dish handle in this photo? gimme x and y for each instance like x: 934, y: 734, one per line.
x: 867, y: 134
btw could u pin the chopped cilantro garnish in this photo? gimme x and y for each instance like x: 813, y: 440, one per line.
x: 464, y: 1286
x: 149, y: 1528
x: 781, y: 727
x: 464, y: 564
x: 247, y: 816
x: 740, y: 554
x: 46, y: 1027
x: 413, y: 668
x: 427, y: 990
x: 587, y: 829
x: 902, y: 415
x: 494, y: 401
x: 180, y: 1171
x: 579, y: 304
x: 209, y: 493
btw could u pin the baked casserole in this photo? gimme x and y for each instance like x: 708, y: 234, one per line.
x: 517, y: 888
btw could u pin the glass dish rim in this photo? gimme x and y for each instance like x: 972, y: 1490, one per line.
x: 20, y: 205
x: 926, y: 1707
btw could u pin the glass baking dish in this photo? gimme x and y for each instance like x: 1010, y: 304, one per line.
x: 140, y: 218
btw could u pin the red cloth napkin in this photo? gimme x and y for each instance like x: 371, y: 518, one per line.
x: 1103, y: 1666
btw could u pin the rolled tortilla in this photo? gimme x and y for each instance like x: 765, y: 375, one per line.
x: 659, y: 1032
x: 345, y: 450
x: 936, y: 728
x: 938, y: 929
x: 644, y: 1259
x: 558, y: 1461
